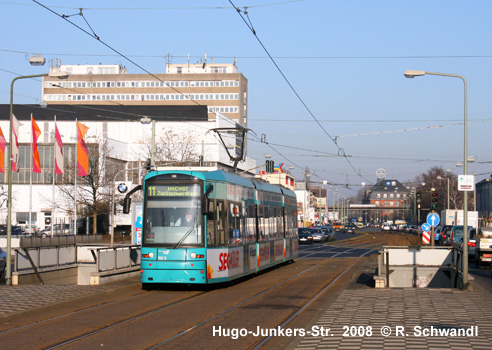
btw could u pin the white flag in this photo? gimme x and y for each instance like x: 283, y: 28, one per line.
x: 15, y: 144
x: 58, y: 152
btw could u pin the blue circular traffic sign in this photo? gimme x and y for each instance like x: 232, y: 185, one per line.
x: 433, y: 219
x: 426, y: 227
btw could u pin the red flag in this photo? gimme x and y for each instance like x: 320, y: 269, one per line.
x: 58, y: 152
x: 82, y: 153
x: 2, y: 151
x: 36, y: 132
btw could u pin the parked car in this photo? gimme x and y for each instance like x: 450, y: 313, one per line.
x: 3, y: 261
x: 31, y: 229
x: 58, y: 229
x: 386, y: 227
x: 349, y: 227
x: 15, y: 230
x: 445, y: 235
x: 305, y: 235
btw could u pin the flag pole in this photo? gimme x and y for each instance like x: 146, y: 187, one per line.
x: 76, y: 165
x: 54, y: 175
x: 30, y: 177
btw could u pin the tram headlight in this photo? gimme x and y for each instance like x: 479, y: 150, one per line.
x: 193, y: 255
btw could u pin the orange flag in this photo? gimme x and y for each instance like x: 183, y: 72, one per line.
x: 82, y: 153
x: 36, y: 132
x: 2, y: 151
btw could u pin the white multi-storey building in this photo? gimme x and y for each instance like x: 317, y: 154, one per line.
x: 186, y: 102
x: 220, y: 87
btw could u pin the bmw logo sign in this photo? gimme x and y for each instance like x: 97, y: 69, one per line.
x: 122, y: 187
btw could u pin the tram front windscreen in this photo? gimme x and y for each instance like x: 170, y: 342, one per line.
x: 172, y: 215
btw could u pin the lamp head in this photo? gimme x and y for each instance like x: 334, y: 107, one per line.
x: 145, y: 120
x: 37, y: 61
x: 413, y: 73
x: 58, y: 74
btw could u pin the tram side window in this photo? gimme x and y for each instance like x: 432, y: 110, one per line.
x: 293, y: 223
x: 220, y: 218
x: 261, y: 224
x: 234, y: 223
x: 267, y: 224
x: 280, y: 222
x: 250, y: 223
x: 211, y: 218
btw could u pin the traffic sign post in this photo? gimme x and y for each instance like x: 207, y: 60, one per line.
x: 433, y: 220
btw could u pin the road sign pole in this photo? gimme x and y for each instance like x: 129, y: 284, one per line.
x: 432, y: 237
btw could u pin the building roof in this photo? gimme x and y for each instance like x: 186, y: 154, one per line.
x: 168, y: 113
x: 385, y: 186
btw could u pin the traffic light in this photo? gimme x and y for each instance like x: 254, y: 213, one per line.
x: 270, y: 166
x: 434, y: 200
x: 419, y: 199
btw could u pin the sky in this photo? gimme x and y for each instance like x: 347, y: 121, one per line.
x: 325, y: 78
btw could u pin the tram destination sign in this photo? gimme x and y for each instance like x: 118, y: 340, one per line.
x: 191, y: 190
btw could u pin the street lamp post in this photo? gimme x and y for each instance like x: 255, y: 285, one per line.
x: 61, y: 75
x: 147, y: 120
x: 415, y: 73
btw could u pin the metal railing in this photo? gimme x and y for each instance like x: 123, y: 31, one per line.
x: 47, y: 258
x: 116, y: 257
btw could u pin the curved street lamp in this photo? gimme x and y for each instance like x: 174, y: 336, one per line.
x: 60, y: 75
x: 416, y: 73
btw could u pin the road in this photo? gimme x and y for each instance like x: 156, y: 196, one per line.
x: 179, y: 318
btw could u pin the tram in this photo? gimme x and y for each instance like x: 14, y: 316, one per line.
x: 204, y: 227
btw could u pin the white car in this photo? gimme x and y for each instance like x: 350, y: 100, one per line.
x: 386, y: 227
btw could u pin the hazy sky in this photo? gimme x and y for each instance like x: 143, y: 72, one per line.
x: 341, y: 69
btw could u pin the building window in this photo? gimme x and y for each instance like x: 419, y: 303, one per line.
x: 179, y: 70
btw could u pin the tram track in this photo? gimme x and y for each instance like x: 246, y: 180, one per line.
x: 236, y: 307
x: 98, y: 332
x: 121, y: 324
x: 264, y: 340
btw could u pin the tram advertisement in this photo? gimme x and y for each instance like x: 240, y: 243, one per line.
x: 279, y: 250
x: 224, y: 262
x: 263, y: 254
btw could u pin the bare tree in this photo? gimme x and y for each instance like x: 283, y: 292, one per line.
x: 172, y: 147
x: 437, y: 178
x: 94, y: 190
x: 3, y: 202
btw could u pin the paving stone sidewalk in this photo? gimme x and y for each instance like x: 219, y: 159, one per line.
x: 383, y: 310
